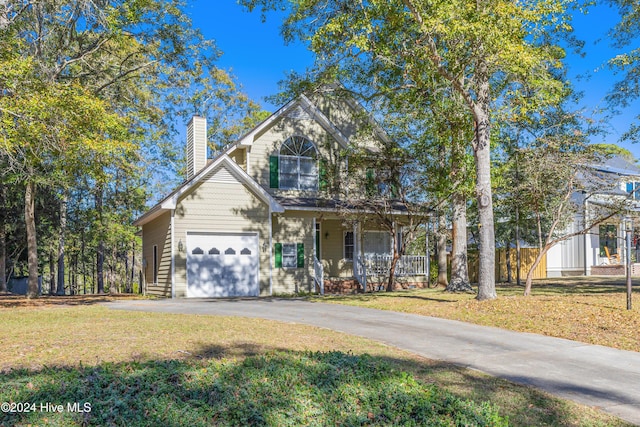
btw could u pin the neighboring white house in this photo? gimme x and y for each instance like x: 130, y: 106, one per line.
x: 257, y: 218
x: 604, y: 244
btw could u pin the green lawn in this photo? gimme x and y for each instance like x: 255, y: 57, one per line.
x: 591, y: 310
x: 171, y: 370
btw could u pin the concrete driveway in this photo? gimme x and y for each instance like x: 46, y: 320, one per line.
x: 593, y: 375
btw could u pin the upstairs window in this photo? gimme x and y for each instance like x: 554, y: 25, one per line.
x: 633, y: 188
x: 298, y: 164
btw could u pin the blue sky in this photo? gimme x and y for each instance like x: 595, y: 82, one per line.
x: 258, y: 57
x: 253, y: 50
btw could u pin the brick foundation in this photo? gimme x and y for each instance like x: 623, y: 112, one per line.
x: 351, y: 286
x: 608, y: 270
x: 341, y: 286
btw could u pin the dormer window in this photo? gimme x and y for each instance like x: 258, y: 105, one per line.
x: 298, y: 164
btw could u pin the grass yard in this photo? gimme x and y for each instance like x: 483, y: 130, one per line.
x: 591, y: 310
x: 136, y: 369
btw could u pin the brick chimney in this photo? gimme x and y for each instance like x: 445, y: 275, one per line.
x: 196, y: 145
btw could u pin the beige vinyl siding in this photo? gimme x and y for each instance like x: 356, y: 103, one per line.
x: 268, y: 144
x: 221, y: 204
x: 239, y: 155
x: 158, y: 233
x: 351, y: 122
x: 332, y: 249
x: 332, y: 246
x: 196, y: 145
x: 296, y: 228
x: 340, y: 113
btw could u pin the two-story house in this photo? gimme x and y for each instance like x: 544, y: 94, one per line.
x: 600, y: 250
x: 255, y: 219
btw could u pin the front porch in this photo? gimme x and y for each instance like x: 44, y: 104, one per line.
x: 358, y: 258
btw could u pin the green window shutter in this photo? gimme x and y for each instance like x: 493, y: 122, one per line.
x: 278, y: 253
x: 322, y: 175
x: 274, y: 163
x: 300, y: 247
x: 370, y: 182
x: 394, y: 190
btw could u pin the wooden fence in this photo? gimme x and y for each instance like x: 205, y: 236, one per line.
x: 527, y: 257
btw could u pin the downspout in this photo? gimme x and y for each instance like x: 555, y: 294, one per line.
x: 173, y: 255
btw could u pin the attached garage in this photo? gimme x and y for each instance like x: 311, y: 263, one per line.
x: 222, y: 265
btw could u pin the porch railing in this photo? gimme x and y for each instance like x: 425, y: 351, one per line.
x: 407, y: 265
x: 318, y: 276
x: 360, y: 272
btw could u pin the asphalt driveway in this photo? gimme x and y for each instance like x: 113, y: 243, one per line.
x: 593, y: 375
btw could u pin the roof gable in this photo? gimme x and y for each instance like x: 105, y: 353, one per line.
x: 301, y: 107
x: 618, y: 165
x: 222, y: 169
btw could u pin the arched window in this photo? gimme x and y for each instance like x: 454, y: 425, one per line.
x: 298, y: 164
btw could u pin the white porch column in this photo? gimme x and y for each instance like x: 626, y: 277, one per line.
x: 356, y: 243
x: 358, y: 261
x: 315, y: 240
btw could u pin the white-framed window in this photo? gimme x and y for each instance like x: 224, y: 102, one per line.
x: 289, y: 255
x: 298, y: 164
x: 633, y: 188
x: 377, y: 243
x: 348, y: 245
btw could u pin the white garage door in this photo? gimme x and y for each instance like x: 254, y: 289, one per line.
x: 222, y: 265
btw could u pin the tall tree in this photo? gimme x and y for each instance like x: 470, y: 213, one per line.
x: 481, y: 48
x: 624, y: 34
x: 388, y: 179
x: 85, y: 73
x: 556, y: 182
x: 3, y: 237
x: 44, y: 122
x: 556, y: 175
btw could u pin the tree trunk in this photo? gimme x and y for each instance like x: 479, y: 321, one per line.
x: 459, y: 266
x: 32, y: 243
x: 3, y: 258
x: 3, y: 239
x: 73, y: 276
x: 529, y: 281
x: 133, y: 267
x: 442, y: 251
x: 126, y: 273
x: 394, y: 262
x: 482, y: 154
x: 508, y: 256
x: 61, y: 243
x: 100, y: 249
x: 82, y: 257
x: 100, y: 267
x: 518, y: 259
x: 392, y: 272
x: 52, y: 272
